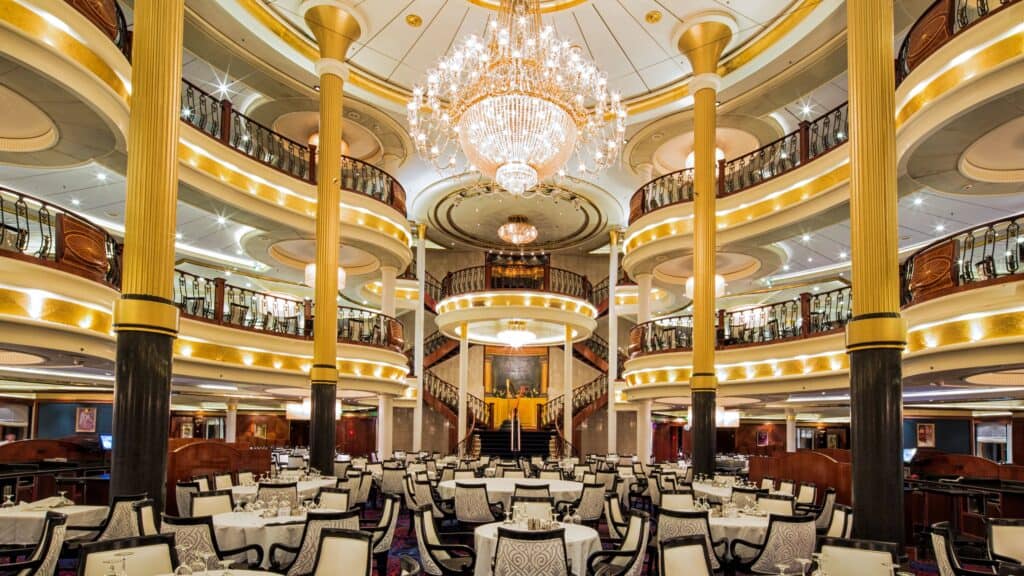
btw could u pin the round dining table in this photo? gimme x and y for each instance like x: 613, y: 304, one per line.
x: 742, y: 527
x: 501, y: 489
x: 580, y: 542
x: 712, y: 492
x: 22, y: 525
x: 234, y: 572
x: 306, y: 488
x: 237, y: 529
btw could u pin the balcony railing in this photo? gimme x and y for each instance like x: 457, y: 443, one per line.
x: 811, y: 140
x: 214, y: 300
x: 601, y: 288
x: 554, y: 280
x: 551, y: 412
x: 985, y: 254
x: 939, y: 24
x: 35, y: 230
x: 809, y: 315
x: 448, y: 395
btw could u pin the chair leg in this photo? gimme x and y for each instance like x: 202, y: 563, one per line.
x: 382, y: 562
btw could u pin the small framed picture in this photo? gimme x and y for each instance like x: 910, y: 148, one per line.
x: 762, y: 437
x: 85, y: 420
x: 186, y: 429
x: 926, y: 435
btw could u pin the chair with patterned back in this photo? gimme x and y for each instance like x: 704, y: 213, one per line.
x: 776, y: 504
x: 142, y: 555
x: 463, y: 475
x: 341, y: 468
x: 183, y: 492
x: 246, y: 478
x: 472, y: 505
x: 333, y: 499
x: 339, y: 547
x: 529, y: 553
x: 391, y: 479
x: 628, y: 558
x: 145, y: 518
x: 283, y: 492
x: 438, y: 558
x: 684, y: 555
x: 513, y: 473
x: 41, y: 559
x: 787, y: 538
x: 362, y: 493
x: 677, y: 500
x: 946, y: 558
x: 589, y: 506
x: 550, y: 475
x: 384, y: 532
x: 535, y: 506
x: 673, y: 523
x: 824, y: 513
x: 197, y: 537
x: 744, y: 497
x: 304, y: 555
x: 223, y: 481
x: 425, y: 494
x: 842, y: 557
x: 212, y: 503
x: 542, y: 490
x: 119, y: 523
x: 610, y: 479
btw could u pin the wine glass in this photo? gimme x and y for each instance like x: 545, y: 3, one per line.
x: 63, y: 498
x: 111, y: 567
x: 804, y: 563
x: 206, y: 555
x: 123, y: 562
x: 183, y: 570
x: 225, y: 566
x: 782, y: 568
x: 8, y: 501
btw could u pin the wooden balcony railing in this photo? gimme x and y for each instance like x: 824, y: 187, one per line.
x: 553, y: 280
x: 551, y: 412
x: 35, y: 230
x: 448, y: 395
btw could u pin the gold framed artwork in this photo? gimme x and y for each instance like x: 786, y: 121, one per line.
x: 85, y: 419
x: 515, y: 373
x: 926, y: 435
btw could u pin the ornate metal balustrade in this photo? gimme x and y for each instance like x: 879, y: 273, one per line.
x: 551, y: 412
x: 448, y: 395
x: 763, y: 164
x: 554, y: 280
x: 672, y: 188
x: 35, y: 230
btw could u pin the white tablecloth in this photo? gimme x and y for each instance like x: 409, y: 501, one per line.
x: 306, y: 488
x: 23, y: 525
x: 234, y: 572
x: 580, y: 543
x: 712, y: 492
x: 501, y: 489
x: 749, y: 528
x: 236, y: 529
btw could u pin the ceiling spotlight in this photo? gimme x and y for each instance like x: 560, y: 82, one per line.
x: 177, y: 236
x: 940, y: 227
x: 842, y: 255
x: 918, y: 201
x: 809, y: 259
x: 806, y: 237
x: 785, y: 267
x: 222, y: 220
x: 75, y: 201
x: 101, y: 176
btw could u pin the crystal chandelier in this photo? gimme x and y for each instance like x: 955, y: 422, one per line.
x: 516, y: 335
x: 517, y: 104
x: 517, y: 231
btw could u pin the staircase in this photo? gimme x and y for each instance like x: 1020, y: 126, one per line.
x: 436, y: 349
x: 443, y: 397
x: 586, y: 399
x: 498, y: 443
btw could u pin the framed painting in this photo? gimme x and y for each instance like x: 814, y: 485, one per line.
x: 85, y: 419
x: 762, y: 438
x: 926, y: 435
x: 515, y: 373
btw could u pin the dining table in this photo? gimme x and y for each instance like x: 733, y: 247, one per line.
x: 501, y: 489
x: 306, y: 488
x: 712, y: 492
x: 751, y: 528
x: 22, y: 525
x: 233, y: 572
x: 237, y: 529
x: 580, y: 542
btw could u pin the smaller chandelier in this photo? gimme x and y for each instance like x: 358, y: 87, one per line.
x: 719, y: 286
x: 516, y: 335
x: 310, y: 276
x: 517, y: 231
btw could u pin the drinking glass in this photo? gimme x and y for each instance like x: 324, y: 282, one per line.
x: 8, y: 501
x: 804, y: 563
x: 782, y: 568
x: 111, y: 567
x: 225, y: 566
x: 63, y: 498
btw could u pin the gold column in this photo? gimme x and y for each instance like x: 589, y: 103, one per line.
x: 875, y: 336
x: 145, y: 317
x: 702, y: 41
x: 335, y: 29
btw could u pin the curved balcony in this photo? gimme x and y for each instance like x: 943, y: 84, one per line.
x: 533, y: 278
x: 214, y: 300
x: 812, y: 140
x: 984, y: 255
x: 217, y: 119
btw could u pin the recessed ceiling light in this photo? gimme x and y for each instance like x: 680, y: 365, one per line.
x: 809, y: 259
x: 75, y: 201
x: 785, y: 267
x: 940, y: 227
x: 177, y: 236
x: 815, y: 288
x: 806, y: 237
x: 101, y: 176
x: 218, y: 387
x: 918, y: 201
x: 222, y: 220
x: 842, y: 254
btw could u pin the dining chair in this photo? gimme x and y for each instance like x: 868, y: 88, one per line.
x: 535, y: 506
x: 472, y: 505
x: 786, y: 487
x: 197, y: 537
x: 843, y: 557
x: 684, y: 555
x: 438, y: 558
x: 203, y: 482
x: 245, y: 478
x: 1005, y: 538
x: 441, y: 509
x: 304, y: 555
x: 142, y: 556
x: 145, y: 518
x: 837, y: 525
x: 212, y: 503
x: 823, y: 514
x: 183, y: 492
x: 946, y: 559
x: 806, y: 497
x: 767, y: 483
x: 529, y: 553
x: 589, y: 506
x: 776, y: 504
x: 283, y: 492
x: 628, y: 558
x: 222, y: 482
x: 675, y: 523
x: 383, y: 532
x: 119, y: 523
x: 787, y: 538
x: 541, y: 490
x: 744, y: 497
x: 41, y: 559
x: 677, y: 500
x: 333, y: 499
x: 339, y: 547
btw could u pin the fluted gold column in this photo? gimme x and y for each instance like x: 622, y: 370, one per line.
x: 335, y: 29
x: 702, y: 41
x: 145, y: 317
x: 876, y: 335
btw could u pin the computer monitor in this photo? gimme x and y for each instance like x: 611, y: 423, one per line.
x: 908, y: 455
x: 107, y: 441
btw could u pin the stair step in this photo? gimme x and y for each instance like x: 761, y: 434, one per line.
x: 499, y: 443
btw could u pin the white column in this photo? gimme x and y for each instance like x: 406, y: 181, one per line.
x: 645, y: 171
x: 385, y: 425
x: 463, y: 384
x: 388, y: 274
x: 643, y: 431
x: 613, y: 340
x: 231, y: 423
x: 567, y: 386
x: 643, y: 297
x: 421, y: 278
x: 790, y: 430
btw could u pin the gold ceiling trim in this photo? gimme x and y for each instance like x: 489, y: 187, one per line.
x: 547, y: 7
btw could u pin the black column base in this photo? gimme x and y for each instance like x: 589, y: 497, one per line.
x: 876, y: 427
x: 142, y: 413
x: 703, y: 431
x: 322, y: 430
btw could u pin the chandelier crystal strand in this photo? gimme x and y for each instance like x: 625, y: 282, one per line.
x: 516, y: 334
x: 517, y: 104
x: 517, y: 231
